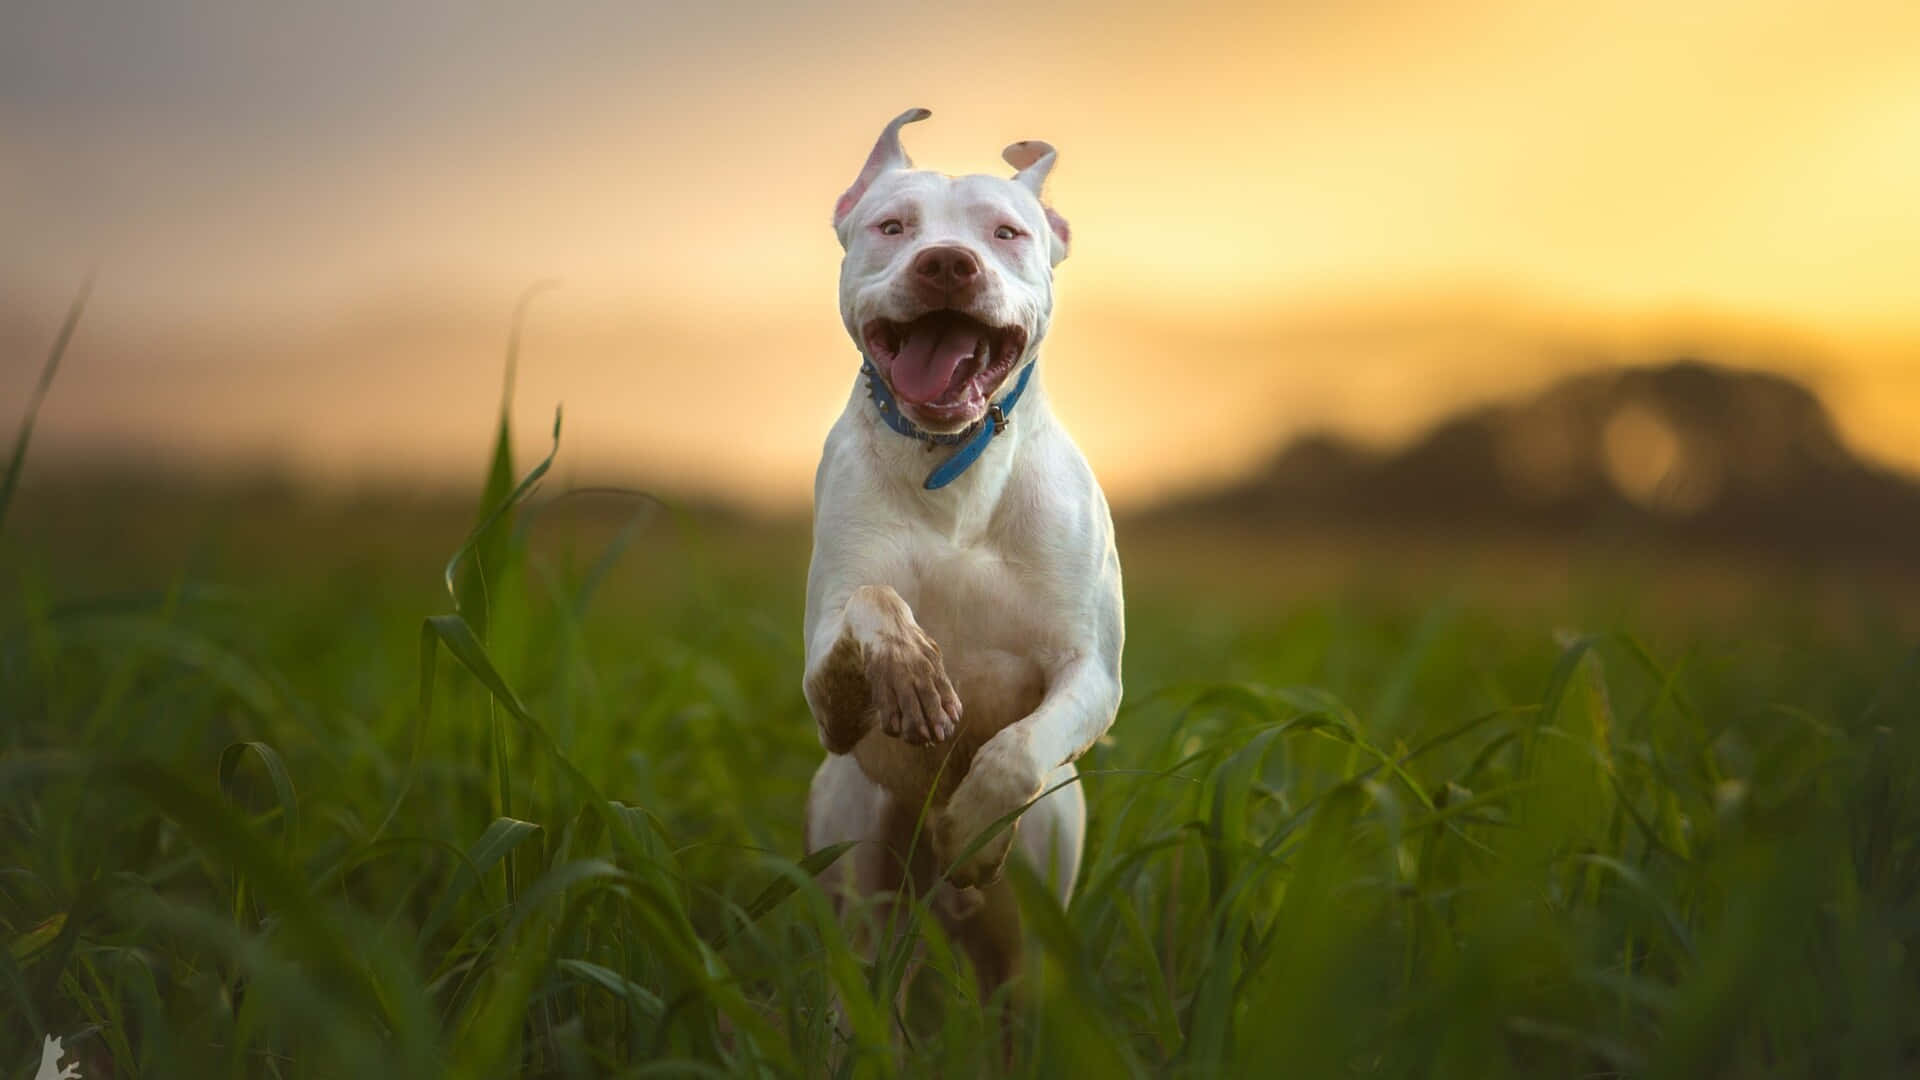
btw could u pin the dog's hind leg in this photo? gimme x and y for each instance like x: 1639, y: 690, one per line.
x: 1053, y: 832
x: 1049, y: 839
x: 872, y: 883
x: 987, y: 931
x: 843, y: 805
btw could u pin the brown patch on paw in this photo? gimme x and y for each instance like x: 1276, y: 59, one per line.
x: 841, y: 698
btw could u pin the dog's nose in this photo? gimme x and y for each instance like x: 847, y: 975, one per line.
x: 947, y: 267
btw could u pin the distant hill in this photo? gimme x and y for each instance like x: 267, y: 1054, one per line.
x: 1685, y: 452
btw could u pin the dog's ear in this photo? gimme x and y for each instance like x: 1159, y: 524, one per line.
x: 1034, y: 160
x: 887, y: 156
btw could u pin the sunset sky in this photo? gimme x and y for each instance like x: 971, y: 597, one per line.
x: 311, y: 225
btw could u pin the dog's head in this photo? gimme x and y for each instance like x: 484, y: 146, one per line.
x: 947, y: 283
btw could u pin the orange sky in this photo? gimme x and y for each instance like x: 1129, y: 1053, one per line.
x: 312, y: 225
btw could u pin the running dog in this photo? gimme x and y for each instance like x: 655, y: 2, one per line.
x: 964, y: 619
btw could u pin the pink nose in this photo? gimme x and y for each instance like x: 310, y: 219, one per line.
x: 946, y: 267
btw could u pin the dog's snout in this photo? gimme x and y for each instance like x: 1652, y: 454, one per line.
x: 947, y: 267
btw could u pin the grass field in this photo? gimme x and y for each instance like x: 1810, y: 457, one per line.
x: 267, y: 808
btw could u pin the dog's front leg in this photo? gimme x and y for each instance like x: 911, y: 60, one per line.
x: 871, y: 662
x: 1009, y: 769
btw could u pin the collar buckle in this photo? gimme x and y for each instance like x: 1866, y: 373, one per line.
x: 971, y: 443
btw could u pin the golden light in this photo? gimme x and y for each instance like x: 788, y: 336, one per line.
x: 1349, y: 217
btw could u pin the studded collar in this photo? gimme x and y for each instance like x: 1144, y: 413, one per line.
x: 972, y: 441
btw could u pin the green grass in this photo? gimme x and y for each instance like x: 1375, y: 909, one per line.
x: 270, y: 807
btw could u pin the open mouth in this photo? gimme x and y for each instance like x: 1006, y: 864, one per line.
x: 944, y: 365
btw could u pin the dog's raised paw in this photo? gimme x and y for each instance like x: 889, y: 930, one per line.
x: 980, y: 868
x: 911, y: 697
x: 1000, y: 781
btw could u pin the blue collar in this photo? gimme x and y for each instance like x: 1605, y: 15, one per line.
x: 972, y: 442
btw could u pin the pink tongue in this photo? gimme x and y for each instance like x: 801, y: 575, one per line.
x: 923, y: 369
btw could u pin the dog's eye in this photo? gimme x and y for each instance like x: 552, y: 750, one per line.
x: 1005, y: 232
x: 892, y: 227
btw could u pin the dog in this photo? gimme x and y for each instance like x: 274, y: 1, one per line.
x: 964, y: 618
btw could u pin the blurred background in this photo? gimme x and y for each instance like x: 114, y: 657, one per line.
x: 1487, y: 268
x: 1522, y: 395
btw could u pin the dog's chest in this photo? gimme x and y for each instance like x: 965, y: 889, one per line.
x: 970, y: 597
x: 980, y: 607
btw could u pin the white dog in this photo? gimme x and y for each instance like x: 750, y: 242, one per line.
x: 964, y: 618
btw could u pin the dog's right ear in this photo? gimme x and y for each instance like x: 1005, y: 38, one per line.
x: 887, y: 156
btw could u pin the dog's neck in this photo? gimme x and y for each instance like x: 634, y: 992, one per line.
x: 958, y: 452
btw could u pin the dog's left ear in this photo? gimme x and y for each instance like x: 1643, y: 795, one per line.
x: 1034, y: 160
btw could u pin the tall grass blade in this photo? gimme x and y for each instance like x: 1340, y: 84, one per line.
x: 457, y: 635
x: 501, y: 837
x: 498, y: 511
x: 812, y: 865
x: 19, y: 459
x: 492, y: 534
x: 277, y: 774
x: 616, y: 984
